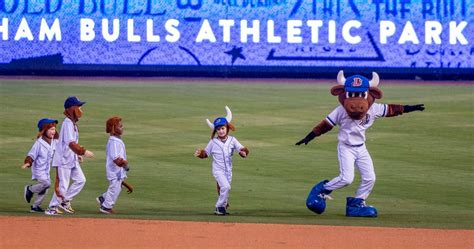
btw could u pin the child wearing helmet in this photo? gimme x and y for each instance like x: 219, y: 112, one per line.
x: 67, y: 159
x: 221, y: 148
x: 39, y: 159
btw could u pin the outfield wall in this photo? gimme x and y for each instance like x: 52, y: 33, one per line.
x: 237, y: 38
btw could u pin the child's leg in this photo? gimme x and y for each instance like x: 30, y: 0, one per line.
x: 79, y: 180
x: 366, y: 168
x: 63, y: 178
x: 110, y: 197
x: 40, y: 188
x: 224, y: 189
x: 346, y: 156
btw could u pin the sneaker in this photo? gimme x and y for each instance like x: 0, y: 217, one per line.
x: 52, y: 211
x: 220, y: 211
x: 58, y: 211
x: 100, y: 200
x: 66, y: 206
x: 28, y: 194
x: 36, y: 209
x: 105, y: 210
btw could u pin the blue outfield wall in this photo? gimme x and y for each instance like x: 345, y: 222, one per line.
x: 237, y: 38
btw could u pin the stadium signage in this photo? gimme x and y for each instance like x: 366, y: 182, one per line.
x: 110, y: 31
x: 325, y: 33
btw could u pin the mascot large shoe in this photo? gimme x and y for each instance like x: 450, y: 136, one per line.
x: 316, y: 200
x: 356, y: 207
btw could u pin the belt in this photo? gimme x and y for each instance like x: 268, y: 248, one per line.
x: 356, y: 145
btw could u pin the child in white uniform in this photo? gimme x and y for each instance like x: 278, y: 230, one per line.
x: 39, y: 159
x: 116, y: 166
x: 67, y: 160
x: 221, y: 148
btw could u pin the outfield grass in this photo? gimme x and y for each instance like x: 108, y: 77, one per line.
x: 423, y: 160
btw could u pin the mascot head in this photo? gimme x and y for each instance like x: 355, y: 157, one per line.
x: 357, y: 93
x: 113, y: 126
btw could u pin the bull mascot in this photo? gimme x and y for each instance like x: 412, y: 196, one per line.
x: 355, y: 114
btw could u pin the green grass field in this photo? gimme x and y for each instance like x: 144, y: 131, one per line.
x: 423, y: 160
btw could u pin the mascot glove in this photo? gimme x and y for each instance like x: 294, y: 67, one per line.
x: 308, y: 138
x: 410, y: 108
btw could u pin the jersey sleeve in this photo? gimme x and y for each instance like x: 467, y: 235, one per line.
x: 208, y: 148
x: 380, y: 110
x: 334, y: 118
x: 68, y: 133
x: 116, y: 150
x: 237, y: 145
x: 34, y: 151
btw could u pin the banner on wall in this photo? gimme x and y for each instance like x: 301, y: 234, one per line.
x: 425, y: 34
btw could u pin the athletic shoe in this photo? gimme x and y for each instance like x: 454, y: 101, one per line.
x: 59, y: 211
x: 100, y: 200
x: 52, y: 211
x: 105, y: 210
x: 28, y: 194
x: 37, y: 209
x: 220, y: 211
x: 66, y: 206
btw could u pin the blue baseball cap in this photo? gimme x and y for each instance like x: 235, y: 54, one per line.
x: 72, y: 101
x: 44, y: 122
x: 220, y: 121
x: 356, y: 83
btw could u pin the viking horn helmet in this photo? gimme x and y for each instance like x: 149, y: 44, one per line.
x: 228, y: 118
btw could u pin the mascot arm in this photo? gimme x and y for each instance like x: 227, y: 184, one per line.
x: 395, y: 110
x: 323, y: 127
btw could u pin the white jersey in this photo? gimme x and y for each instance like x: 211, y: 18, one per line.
x: 115, y: 149
x: 42, y: 154
x: 64, y: 156
x: 352, y: 132
x: 222, y: 152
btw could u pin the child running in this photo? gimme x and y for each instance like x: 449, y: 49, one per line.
x: 221, y: 148
x: 39, y: 159
x: 67, y: 159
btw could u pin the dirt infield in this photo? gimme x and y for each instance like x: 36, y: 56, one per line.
x: 57, y: 232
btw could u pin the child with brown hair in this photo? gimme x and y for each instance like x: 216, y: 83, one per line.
x: 39, y: 159
x: 116, y: 166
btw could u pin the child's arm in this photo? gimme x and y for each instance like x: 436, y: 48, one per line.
x: 204, y: 153
x: 32, y: 154
x: 200, y: 153
x: 128, y: 186
x: 79, y: 150
x: 122, y: 163
x: 71, y: 142
x: 243, y: 151
x: 27, y: 163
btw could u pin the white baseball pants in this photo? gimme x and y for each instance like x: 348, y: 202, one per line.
x: 68, y: 192
x: 348, y: 157
x: 40, y: 188
x: 113, y: 192
x: 224, y: 181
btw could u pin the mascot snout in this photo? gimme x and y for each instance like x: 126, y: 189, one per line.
x: 356, y: 107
